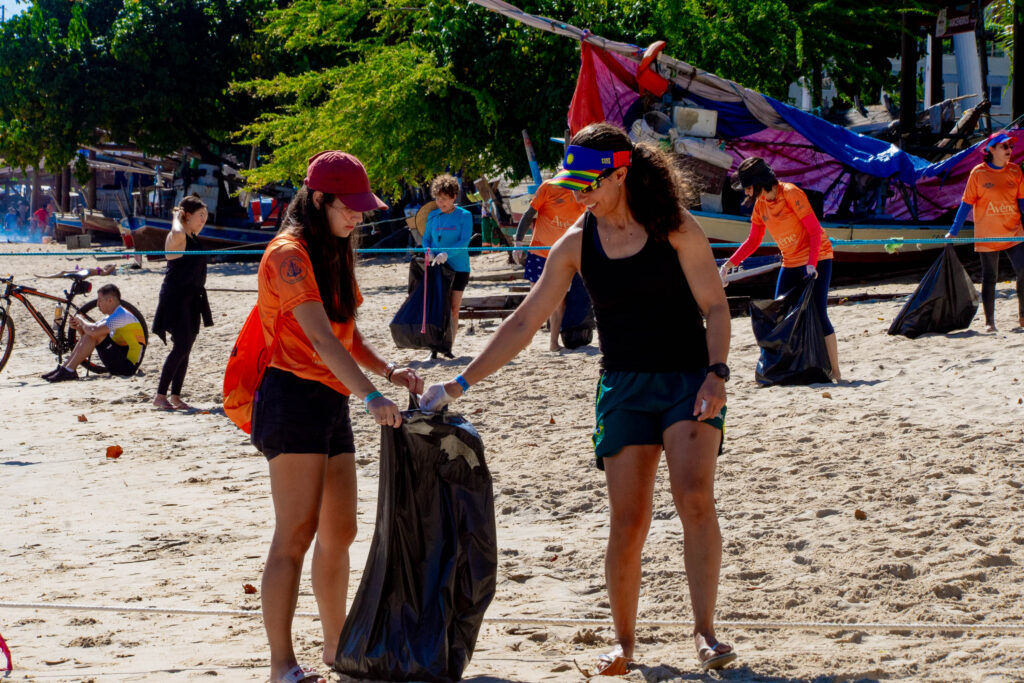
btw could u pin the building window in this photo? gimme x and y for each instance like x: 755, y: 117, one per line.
x: 995, y: 95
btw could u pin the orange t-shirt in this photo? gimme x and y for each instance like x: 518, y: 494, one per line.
x: 993, y: 192
x: 286, y: 280
x: 557, y: 209
x: 781, y: 217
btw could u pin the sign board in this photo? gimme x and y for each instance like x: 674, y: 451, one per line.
x: 951, y: 20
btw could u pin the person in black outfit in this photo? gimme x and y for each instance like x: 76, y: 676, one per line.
x: 183, y: 302
x: 663, y: 322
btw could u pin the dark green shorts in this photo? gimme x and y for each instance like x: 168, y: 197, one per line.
x: 635, y: 408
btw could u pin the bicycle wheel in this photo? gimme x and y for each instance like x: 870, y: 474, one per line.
x: 6, y: 336
x: 92, y: 314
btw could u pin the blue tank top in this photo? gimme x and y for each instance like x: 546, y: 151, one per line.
x: 647, y: 318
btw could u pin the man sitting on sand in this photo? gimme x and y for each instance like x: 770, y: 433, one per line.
x: 117, y: 339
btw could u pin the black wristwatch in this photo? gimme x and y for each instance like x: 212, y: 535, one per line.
x: 720, y: 369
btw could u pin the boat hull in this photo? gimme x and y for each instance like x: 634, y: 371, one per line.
x: 144, y: 233
x: 721, y: 228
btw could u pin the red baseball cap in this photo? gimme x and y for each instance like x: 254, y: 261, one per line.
x: 342, y: 175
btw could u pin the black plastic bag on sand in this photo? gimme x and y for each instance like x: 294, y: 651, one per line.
x: 578, y: 322
x: 946, y: 300
x: 408, y: 327
x: 432, y: 566
x: 792, y: 341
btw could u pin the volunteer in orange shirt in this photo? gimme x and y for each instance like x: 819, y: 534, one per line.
x: 307, y: 303
x: 553, y: 211
x: 995, y: 189
x: 783, y: 209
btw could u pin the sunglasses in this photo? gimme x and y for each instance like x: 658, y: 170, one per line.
x: 597, y: 182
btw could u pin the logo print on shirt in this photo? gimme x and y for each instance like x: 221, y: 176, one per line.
x: 1000, y: 209
x: 293, y: 270
x: 989, y: 186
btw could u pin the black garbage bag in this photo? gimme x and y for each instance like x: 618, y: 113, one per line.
x: 433, y: 562
x: 409, y: 329
x: 792, y: 341
x: 946, y: 300
x: 578, y: 322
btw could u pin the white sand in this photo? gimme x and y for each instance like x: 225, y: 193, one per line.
x: 926, y: 439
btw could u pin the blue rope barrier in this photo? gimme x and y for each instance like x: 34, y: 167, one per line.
x: 888, y: 242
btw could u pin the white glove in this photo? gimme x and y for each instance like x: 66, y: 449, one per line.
x: 723, y: 273
x: 435, y: 398
x: 520, y: 256
x: 812, y: 272
x: 439, y: 259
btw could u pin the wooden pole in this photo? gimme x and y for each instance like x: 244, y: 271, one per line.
x: 979, y: 31
x: 908, y: 80
x: 90, y: 191
x: 1018, y: 60
x: 938, y: 92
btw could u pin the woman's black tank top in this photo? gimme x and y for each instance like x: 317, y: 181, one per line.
x: 647, y: 318
x: 187, y: 273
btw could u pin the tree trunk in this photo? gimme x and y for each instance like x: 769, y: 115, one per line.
x: 908, y: 81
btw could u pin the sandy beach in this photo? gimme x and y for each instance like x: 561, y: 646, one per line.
x: 924, y: 437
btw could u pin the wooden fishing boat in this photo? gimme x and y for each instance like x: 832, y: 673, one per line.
x: 147, y: 233
x: 723, y: 228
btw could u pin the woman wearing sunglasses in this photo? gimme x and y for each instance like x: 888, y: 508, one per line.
x: 783, y: 210
x: 995, y: 190
x: 651, y: 276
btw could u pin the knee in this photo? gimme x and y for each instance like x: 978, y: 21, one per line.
x: 695, y: 504
x: 338, y: 536
x: 629, y: 527
x: 293, y: 540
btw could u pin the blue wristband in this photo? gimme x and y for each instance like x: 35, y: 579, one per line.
x: 369, y: 397
x: 461, y: 381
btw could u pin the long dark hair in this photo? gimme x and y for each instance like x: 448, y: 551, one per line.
x: 656, y: 189
x: 333, y: 257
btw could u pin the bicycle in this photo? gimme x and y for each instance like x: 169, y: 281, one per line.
x: 62, y: 336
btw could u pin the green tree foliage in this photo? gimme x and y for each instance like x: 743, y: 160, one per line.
x: 414, y: 88
x: 155, y: 72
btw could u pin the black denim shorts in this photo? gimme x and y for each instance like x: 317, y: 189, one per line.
x: 295, y: 415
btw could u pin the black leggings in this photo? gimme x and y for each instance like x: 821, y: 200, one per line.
x: 989, y: 273
x: 176, y: 365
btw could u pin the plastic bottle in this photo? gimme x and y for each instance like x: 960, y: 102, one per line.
x: 58, y: 315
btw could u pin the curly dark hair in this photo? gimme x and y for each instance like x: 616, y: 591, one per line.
x: 657, y: 191
x: 444, y: 184
x: 333, y: 257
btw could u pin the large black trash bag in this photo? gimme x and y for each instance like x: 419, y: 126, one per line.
x: 407, y: 328
x: 433, y: 563
x: 578, y: 322
x: 792, y: 341
x: 946, y: 300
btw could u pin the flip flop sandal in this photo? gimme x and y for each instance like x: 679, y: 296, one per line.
x: 297, y: 675
x: 609, y: 664
x: 711, y: 658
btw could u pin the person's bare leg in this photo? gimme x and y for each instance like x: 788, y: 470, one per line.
x: 296, y: 486
x: 833, y: 355
x: 555, y: 322
x: 630, y: 476
x: 334, y: 536
x: 85, y: 345
x: 456, y: 303
x: 691, y: 449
